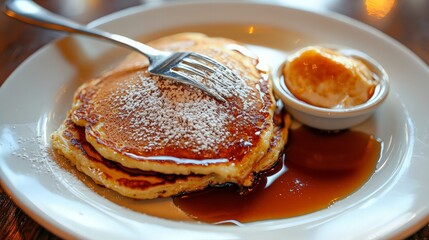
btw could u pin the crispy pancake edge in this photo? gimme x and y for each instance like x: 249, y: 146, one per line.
x: 67, y: 142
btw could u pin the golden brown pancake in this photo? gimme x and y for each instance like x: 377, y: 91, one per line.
x: 154, y: 124
x: 69, y: 140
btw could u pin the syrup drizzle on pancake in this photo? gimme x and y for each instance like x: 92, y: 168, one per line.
x: 174, y: 113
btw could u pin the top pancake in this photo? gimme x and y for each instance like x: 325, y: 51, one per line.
x: 155, y: 124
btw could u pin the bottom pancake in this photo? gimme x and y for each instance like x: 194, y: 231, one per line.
x: 69, y: 140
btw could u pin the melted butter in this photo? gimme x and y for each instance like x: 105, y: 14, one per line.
x: 327, y: 78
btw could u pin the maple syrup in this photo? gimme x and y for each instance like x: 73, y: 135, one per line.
x: 316, y: 170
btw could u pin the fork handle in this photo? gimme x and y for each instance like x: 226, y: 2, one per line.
x: 29, y: 12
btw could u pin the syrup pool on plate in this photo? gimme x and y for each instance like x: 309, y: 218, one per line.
x: 316, y: 169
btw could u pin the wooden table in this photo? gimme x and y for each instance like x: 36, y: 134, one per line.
x: 406, y: 21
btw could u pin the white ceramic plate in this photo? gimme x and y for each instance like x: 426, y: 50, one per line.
x: 34, y: 100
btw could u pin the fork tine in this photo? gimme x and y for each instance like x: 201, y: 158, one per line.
x: 180, y: 76
x: 202, y: 58
x: 211, y: 77
x: 194, y: 67
x: 190, y: 69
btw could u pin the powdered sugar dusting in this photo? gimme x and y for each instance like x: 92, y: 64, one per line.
x: 34, y: 164
x: 153, y: 116
x: 163, y: 113
x: 37, y: 156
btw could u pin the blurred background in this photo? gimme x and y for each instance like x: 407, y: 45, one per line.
x: 407, y: 21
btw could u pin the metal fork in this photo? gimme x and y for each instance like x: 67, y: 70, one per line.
x: 185, y: 67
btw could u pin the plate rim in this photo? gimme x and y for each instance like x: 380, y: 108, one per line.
x: 141, y: 8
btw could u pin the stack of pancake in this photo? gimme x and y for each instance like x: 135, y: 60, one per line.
x: 147, y: 137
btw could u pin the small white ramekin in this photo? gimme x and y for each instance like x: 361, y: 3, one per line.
x: 335, y: 119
